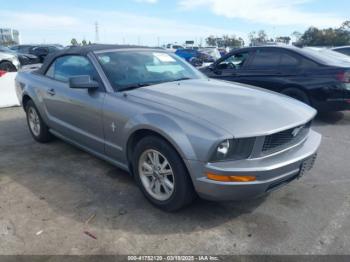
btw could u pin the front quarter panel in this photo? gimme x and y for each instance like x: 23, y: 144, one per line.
x: 191, y: 137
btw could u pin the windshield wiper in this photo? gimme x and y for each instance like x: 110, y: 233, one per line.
x: 135, y: 86
x: 180, y: 79
x: 138, y: 85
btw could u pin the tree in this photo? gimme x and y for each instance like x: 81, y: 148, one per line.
x: 326, y: 37
x: 232, y: 41
x: 224, y: 41
x: 84, y: 42
x: 211, y: 40
x: 74, y: 41
x: 297, y: 35
x: 259, y: 37
x: 345, y: 25
x: 283, y: 39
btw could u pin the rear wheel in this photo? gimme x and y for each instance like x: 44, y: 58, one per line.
x: 161, y: 174
x: 37, y: 127
x: 7, y: 66
x: 297, y: 94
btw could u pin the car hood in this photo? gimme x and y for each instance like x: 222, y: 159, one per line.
x: 241, y: 110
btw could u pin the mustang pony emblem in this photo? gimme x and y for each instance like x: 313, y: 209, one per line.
x: 297, y: 130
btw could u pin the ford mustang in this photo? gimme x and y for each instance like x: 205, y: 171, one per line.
x: 177, y: 132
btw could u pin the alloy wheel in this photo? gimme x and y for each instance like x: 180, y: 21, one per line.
x: 156, y: 174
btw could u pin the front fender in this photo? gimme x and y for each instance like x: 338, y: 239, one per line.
x: 165, y: 127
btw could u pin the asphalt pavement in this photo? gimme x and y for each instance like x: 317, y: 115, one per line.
x: 57, y: 199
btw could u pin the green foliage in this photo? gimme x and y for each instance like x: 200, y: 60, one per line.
x: 84, y: 42
x: 259, y: 37
x: 297, y: 35
x: 74, y: 41
x: 283, y: 39
x: 326, y: 37
x: 224, y: 41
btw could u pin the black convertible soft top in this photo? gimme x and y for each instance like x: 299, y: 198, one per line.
x: 81, y: 50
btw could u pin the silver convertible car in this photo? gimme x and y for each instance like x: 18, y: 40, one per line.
x: 177, y: 132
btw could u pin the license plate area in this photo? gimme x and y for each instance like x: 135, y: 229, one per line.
x: 307, y: 165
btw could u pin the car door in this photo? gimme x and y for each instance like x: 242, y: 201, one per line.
x: 75, y: 113
x: 273, y: 69
x: 230, y: 68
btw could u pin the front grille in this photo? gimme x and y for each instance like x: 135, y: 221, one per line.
x: 279, y: 141
x: 280, y: 183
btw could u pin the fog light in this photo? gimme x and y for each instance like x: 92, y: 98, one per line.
x: 222, y: 178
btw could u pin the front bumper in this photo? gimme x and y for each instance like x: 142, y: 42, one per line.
x: 271, y: 172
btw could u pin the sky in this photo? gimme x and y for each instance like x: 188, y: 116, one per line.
x: 153, y: 22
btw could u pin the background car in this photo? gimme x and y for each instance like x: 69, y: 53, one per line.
x: 173, y: 47
x: 196, y: 57
x: 322, y: 81
x: 8, y: 61
x: 342, y: 49
x: 41, y: 51
x: 211, y: 51
x: 24, y: 59
x: 330, y: 53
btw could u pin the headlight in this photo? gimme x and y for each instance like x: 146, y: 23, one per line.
x: 233, y: 149
x: 223, y: 148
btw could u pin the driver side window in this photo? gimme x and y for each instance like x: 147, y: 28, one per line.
x: 235, y: 61
x: 71, y: 65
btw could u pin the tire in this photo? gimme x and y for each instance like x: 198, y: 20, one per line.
x: 8, y: 67
x: 297, y: 94
x: 151, y: 178
x: 37, y: 127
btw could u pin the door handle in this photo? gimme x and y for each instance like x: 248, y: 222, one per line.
x: 51, y: 92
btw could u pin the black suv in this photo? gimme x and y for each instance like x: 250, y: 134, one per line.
x: 307, y: 75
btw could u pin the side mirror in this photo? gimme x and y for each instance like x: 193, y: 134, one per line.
x: 211, y: 67
x: 196, y: 62
x: 83, y: 82
x: 215, y: 69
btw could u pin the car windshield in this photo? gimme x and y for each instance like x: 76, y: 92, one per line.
x: 6, y: 49
x: 213, y: 52
x: 132, y: 69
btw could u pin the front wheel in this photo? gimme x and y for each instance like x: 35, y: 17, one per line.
x: 37, y: 127
x: 8, y: 67
x: 161, y: 174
